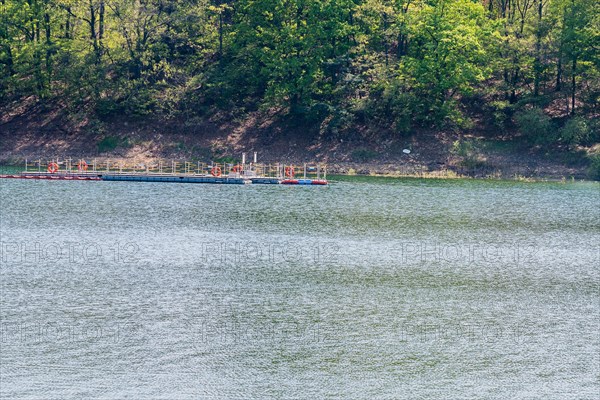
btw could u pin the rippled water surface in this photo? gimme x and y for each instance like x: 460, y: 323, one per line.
x: 369, y: 288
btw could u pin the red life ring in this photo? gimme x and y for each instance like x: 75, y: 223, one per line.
x: 289, y: 172
x: 236, y: 169
x: 82, y: 166
x: 53, y: 167
x: 215, y: 171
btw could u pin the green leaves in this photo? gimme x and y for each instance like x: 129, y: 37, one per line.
x: 393, y: 63
x: 283, y: 51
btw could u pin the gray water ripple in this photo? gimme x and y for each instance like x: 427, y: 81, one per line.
x: 370, y: 287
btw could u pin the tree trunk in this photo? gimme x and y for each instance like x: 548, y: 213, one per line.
x: 221, y: 32
x: 385, y: 45
x: 9, y: 57
x: 9, y: 61
x: 513, y: 84
x: 101, y: 21
x: 100, y: 31
x: 48, y: 47
x: 573, y: 84
x: 401, y: 45
x: 68, y: 24
x: 559, y: 72
x: 538, y: 46
x: 37, y: 57
x: 93, y: 34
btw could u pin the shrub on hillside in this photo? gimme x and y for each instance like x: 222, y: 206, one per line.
x: 576, y: 131
x: 363, y: 155
x: 110, y: 143
x: 463, y: 148
x: 594, y: 170
x: 469, y: 153
x: 400, y: 108
x: 336, y: 122
x: 501, y: 112
x: 535, y: 126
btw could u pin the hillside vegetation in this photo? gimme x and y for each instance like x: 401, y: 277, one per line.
x: 342, y: 69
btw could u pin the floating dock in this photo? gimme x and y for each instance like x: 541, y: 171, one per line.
x: 174, y: 179
x: 177, y: 172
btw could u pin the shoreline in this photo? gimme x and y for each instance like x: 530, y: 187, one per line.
x: 381, y: 170
x: 431, y: 154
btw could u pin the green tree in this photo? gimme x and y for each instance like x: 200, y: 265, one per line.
x: 447, y: 56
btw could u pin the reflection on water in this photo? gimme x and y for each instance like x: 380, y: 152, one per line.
x: 370, y: 287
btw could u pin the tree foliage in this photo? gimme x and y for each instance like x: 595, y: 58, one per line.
x: 401, y: 63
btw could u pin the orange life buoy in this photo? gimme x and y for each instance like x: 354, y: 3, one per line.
x: 215, y: 171
x: 289, y: 172
x: 236, y: 169
x: 53, y: 167
x: 82, y: 165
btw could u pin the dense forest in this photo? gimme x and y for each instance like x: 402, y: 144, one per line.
x: 403, y: 65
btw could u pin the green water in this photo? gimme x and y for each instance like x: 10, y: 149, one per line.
x: 371, y: 287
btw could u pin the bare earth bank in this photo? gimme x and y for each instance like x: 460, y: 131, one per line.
x: 34, y: 134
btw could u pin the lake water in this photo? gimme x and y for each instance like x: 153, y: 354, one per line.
x: 369, y: 288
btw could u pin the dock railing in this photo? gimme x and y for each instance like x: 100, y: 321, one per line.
x: 79, y: 166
